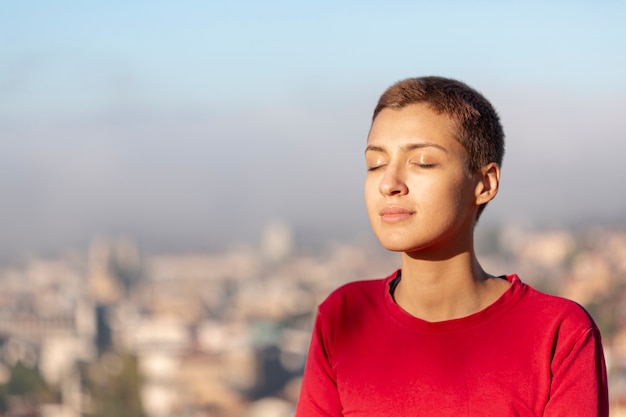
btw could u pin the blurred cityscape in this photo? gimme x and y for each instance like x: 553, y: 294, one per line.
x: 110, y: 331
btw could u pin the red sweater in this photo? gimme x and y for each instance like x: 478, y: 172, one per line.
x: 527, y: 354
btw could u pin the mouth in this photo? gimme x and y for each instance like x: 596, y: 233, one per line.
x: 395, y: 214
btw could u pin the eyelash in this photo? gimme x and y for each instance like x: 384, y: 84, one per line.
x: 423, y: 166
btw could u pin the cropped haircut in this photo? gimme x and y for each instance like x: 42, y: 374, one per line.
x: 477, y: 123
x: 478, y: 126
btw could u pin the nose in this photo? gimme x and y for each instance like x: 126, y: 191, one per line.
x: 393, y: 182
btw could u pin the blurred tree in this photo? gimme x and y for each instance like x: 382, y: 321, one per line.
x: 4, y: 399
x: 113, y: 382
x: 26, y: 381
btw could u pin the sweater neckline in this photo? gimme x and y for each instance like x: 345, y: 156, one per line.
x: 496, y: 309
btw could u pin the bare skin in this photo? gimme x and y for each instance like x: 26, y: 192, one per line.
x: 448, y: 291
x: 422, y: 202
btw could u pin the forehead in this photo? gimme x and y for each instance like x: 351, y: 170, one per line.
x: 412, y: 122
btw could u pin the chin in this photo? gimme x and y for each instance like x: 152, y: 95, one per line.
x: 398, y: 245
x: 393, y: 248
x: 410, y: 242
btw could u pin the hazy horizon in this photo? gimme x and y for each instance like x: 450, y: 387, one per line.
x: 195, y: 125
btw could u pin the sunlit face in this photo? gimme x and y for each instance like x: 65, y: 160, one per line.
x: 418, y: 192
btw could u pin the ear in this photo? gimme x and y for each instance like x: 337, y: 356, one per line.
x: 488, y: 183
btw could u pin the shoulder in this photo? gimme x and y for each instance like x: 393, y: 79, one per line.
x: 356, y: 295
x: 353, y: 293
x: 552, y: 311
x: 351, y: 312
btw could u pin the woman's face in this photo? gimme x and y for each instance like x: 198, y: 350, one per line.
x: 418, y: 192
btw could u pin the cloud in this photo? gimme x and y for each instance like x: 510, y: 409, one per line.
x: 209, y: 177
x: 563, y: 157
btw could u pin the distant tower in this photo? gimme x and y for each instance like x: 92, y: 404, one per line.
x: 126, y: 263
x: 277, y: 241
x: 103, y: 285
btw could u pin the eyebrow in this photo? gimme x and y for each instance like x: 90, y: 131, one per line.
x: 407, y: 147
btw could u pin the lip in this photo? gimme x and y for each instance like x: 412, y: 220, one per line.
x: 395, y: 214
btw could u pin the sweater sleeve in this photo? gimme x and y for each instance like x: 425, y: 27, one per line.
x: 579, y: 382
x: 319, y: 395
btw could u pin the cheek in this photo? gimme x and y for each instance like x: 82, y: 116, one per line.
x: 443, y: 196
x: 460, y: 199
x: 372, y: 200
x: 370, y: 192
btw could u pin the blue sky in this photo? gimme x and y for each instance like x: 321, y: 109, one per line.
x: 181, y: 113
x: 170, y: 53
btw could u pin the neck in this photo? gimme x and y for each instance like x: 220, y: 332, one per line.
x: 445, y: 288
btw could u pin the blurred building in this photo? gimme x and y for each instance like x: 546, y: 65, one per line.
x: 226, y: 333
